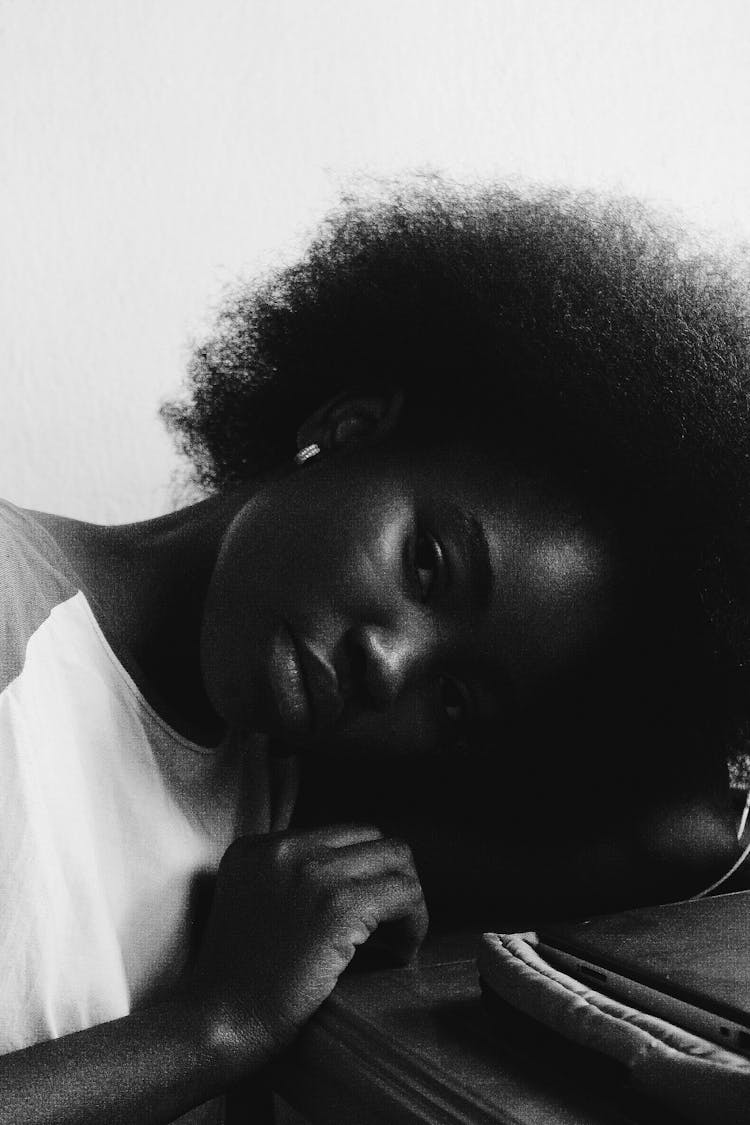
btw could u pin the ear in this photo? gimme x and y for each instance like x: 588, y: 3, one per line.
x: 352, y: 417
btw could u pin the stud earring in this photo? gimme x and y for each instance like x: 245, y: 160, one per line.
x: 307, y: 453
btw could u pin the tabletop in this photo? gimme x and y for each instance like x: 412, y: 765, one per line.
x: 422, y: 1046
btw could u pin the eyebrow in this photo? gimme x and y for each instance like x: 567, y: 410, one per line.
x: 467, y: 532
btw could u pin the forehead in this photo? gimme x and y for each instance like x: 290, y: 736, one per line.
x: 562, y: 536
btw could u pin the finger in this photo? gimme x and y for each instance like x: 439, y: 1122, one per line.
x: 336, y: 836
x: 286, y: 847
x: 397, y: 903
x: 365, y: 859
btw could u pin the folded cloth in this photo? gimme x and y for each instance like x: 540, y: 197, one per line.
x: 701, y: 1081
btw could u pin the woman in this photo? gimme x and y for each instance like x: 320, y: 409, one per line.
x: 473, y: 551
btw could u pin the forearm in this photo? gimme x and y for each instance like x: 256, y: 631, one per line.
x: 665, y: 853
x: 255, y: 983
x: 144, y: 1069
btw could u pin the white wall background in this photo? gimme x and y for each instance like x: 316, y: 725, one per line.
x: 151, y: 151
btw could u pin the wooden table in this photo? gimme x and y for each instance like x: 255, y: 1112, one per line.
x: 420, y: 1046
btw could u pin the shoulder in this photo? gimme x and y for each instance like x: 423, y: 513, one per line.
x: 34, y: 578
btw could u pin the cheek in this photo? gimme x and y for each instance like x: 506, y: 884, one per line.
x: 553, y: 627
x: 238, y: 619
x: 571, y: 580
x: 225, y: 668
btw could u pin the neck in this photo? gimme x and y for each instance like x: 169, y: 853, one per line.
x: 147, y: 583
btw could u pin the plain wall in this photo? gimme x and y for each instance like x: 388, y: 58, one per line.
x: 154, y: 151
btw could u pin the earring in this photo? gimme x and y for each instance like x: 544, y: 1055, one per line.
x: 307, y: 453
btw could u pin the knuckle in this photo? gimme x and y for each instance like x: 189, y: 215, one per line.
x: 401, y: 852
x: 407, y: 887
x: 350, y: 905
x: 236, y: 854
x: 280, y: 849
x: 368, y: 921
x: 339, y: 900
x: 310, y: 869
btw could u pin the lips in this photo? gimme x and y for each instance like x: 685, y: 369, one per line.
x: 304, y: 687
x: 322, y: 686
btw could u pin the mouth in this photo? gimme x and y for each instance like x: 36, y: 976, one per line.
x: 304, y: 687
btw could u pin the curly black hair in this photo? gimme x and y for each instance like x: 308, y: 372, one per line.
x: 583, y: 333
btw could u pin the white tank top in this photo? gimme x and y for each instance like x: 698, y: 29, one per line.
x: 109, y: 819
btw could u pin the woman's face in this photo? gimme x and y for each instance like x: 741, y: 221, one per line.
x: 381, y: 599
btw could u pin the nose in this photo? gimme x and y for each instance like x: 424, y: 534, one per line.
x: 386, y: 659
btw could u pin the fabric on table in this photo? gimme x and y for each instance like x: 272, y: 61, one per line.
x: 698, y: 1079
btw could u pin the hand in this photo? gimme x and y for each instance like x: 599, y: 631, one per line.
x: 289, y: 911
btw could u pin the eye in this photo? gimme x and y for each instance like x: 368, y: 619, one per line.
x: 427, y: 562
x: 454, y: 700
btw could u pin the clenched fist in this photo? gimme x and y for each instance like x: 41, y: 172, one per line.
x: 289, y: 911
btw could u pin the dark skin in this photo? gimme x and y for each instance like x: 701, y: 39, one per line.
x: 367, y: 556
x: 375, y: 610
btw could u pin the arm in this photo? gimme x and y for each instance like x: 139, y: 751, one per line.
x: 493, y: 855
x: 148, y: 1067
x: 288, y: 914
